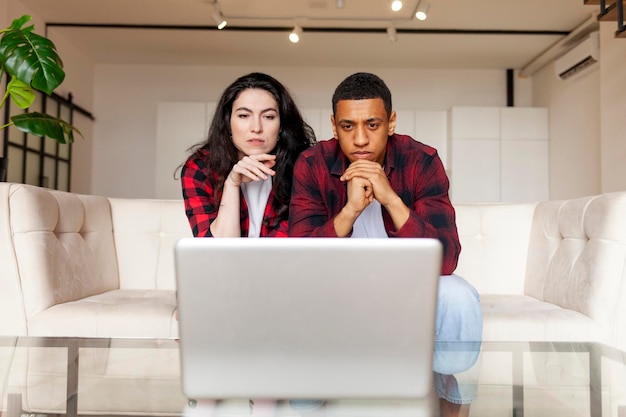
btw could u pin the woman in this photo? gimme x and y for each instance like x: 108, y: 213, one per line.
x: 237, y: 183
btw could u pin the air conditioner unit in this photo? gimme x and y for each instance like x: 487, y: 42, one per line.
x: 581, y: 57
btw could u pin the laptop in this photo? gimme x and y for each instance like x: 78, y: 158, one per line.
x: 307, y: 318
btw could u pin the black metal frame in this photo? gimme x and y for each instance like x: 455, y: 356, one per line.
x: 44, y: 150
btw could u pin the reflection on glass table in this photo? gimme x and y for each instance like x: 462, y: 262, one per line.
x: 141, y: 377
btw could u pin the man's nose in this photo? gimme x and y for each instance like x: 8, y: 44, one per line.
x: 360, y: 136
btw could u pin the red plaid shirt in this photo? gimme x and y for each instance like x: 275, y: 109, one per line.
x: 202, y: 201
x: 414, y: 171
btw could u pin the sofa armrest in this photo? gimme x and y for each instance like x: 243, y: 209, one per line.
x: 12, y: 314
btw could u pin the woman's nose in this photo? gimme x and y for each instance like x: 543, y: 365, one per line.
x: 257, y: 125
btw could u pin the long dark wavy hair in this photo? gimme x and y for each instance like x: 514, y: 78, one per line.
x: 294, y: 137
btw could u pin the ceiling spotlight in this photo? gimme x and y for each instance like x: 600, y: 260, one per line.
x: 295, y: 34
x: 392, y: 33
x: 219, y: 18
x: 340, y: 4
x: 421, y: 13
x: 396, y: 5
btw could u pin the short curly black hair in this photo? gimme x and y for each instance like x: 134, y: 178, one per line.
x: 361, y: 86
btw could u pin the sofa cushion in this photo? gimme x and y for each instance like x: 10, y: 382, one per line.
x: 116, y: 313
x: 524, y: 318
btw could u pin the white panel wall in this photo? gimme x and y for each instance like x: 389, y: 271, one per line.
x: 499, y: 154
x: 475, y: 173
x: 524, y: 171
x: 431, y: 128
x: 475, y: 145
x: 319, y: 120
x: 405, y: 123
x: 179, y: 126
x: 524, y: 154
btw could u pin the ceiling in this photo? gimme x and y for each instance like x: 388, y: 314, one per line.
x: 478, y: 34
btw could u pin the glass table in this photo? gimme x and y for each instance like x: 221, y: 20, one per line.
x: 84, y: 376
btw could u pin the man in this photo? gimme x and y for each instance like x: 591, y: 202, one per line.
x: 370, y: 182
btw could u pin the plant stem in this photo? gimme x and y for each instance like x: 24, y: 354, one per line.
x: 6, y: 94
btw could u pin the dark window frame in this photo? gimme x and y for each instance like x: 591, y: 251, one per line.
x: 44, y: 161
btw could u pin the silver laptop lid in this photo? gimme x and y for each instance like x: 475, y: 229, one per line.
x: 307, y: 318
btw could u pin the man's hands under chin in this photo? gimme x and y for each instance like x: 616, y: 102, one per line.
x: 367, y: 181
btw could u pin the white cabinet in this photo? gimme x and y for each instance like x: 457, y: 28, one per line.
x: 498, y: 154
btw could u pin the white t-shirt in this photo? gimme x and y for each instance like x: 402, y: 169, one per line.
x: 256, y: 194
x: 370, y: 222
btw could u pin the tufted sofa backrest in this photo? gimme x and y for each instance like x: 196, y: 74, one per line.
x: 145, y: 232
x: 63, y: 245
x: 577, y: 256
x: 494, y: 245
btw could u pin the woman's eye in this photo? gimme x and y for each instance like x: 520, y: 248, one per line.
x: 270, y: 116
x: 242, y: 115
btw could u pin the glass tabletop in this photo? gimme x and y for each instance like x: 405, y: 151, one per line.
x: 87, y: 376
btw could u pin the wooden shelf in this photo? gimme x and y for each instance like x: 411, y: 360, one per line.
x: 620, y: 34
x: 611, y: 13
x: 597, y: 2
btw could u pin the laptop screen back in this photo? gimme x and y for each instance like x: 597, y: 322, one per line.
x: 307, y: 318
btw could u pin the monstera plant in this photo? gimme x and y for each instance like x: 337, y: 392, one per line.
x: 31, y: 63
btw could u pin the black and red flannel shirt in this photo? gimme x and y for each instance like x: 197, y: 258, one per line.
x: 202, y: 204
x: 414, y: 171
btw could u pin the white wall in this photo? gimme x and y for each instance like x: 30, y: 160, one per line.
x: 127, y: 100
x: 574, y: 114
x: 79, y: 80
x: 587, y: 129
x: 613, y: 109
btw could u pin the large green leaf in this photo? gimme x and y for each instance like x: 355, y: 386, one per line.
x: 22, y: 94
x: 31, y: 58
x: 41, y: 124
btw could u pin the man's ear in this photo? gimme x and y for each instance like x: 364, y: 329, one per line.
x: 392, y: 123
x: 332, y: 124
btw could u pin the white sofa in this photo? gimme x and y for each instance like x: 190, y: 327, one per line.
x: 552, y: 271
x: 89, y: 266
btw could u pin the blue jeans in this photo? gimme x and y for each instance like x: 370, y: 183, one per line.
x: 458, y: 336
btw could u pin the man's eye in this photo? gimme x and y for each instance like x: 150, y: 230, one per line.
x: 373, y: 126
x: 346, y: 127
